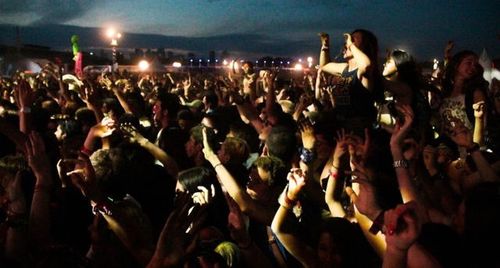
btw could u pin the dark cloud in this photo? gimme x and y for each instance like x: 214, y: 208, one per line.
x: 49, y: 11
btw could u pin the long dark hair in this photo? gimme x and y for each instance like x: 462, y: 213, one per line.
x: 451, y: 71
x: 369, y: 46
x: 408, y: 71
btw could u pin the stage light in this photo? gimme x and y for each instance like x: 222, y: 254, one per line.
x: 176, y: 64
x: 298, y: 67
x: 143, y: 65
x: 111, y: 32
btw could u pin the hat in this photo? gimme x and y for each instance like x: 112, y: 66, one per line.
x: 73, y: 82
x: 194, y: 104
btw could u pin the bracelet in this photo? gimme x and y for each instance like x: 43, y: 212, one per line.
x: 475, y: 147
x: 284, y: 201
x: 378, y: 223
x: 218, y: 164
x: 86, y: 151
x: 403, y: 163
x: 334, y: 173
x: 25, y: 110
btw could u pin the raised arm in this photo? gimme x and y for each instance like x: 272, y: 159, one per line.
x: 263, y: 214
x: 284, y: 222
x: 402, y: 228
x: 367, y: 212
x: 120, y: 95
x: 479, y: 108
x: 324, y: 57
x: 401, y: 165
x: 24, y: 98
x: 463, y: 138
x: 167, y: 160
x: 39, y: 220
x: 334, y: 173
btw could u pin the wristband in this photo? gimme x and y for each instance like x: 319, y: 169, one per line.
x: 25, y: 110
x: 334, y: 173
x: 284, y: 201
x: 400, y: 164
x: 307, y: 156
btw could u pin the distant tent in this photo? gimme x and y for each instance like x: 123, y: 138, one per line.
x: 24, y: 65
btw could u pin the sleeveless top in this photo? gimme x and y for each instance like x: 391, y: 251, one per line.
x: 354, y: 104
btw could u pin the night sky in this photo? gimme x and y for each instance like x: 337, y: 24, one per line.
x: 256, y: 27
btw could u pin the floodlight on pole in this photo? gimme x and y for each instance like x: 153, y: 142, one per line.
x: 114, y: 36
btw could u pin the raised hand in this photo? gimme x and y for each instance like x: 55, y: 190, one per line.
x: 131, y: 132
x: 208, y: 152
x: 296, y: 181
x: 37, y: 157
x: 307, y: 134
x: 105, y: 128
x: 358, y: 147
x: 364, y: 200
x: 24, y: 94
x: 84, y: 178
x: 178, y: 237
x: 479, y: 108
x: 341, y: 146
x: 401, y: 129
x: 402, y: 226
x: 204, y: 196
x: 325, y: 38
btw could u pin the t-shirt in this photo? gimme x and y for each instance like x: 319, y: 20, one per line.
x: 453, y: 110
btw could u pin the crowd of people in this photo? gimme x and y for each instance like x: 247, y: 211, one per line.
x: 351, y: 165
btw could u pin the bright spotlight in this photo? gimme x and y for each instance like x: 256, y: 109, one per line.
x: 224, y: 62
x: 309, y: 59
x: 298, y: 67
x: 176, y: 64
x: 111, y: 32
x: 143, y: 65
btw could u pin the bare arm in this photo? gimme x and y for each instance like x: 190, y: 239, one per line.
x: 362, y: 61
x: 479, y: 107
x: 167, y: 160
x: 263, y: 214
x: 39, y: 220
x: 324, y: 57
x: 284, y: 221
x: 407, y: 189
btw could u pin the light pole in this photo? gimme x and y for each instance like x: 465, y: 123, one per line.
x: 114, y: 36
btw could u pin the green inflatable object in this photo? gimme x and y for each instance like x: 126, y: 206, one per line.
x: 74, y: 43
